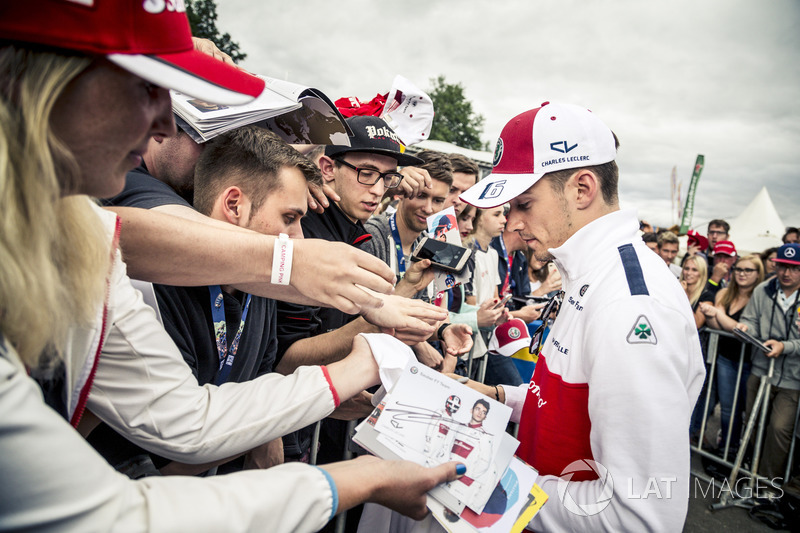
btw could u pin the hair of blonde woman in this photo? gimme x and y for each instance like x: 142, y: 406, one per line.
x: 54, y: 253
x: 734, y: 289
x: 702, y: 267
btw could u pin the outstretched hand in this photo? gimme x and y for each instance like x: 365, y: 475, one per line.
x: 399, y: 485
x: 457, y: 339
x: 412, y: 321
x: 337, y: 280
x: 419, y: 274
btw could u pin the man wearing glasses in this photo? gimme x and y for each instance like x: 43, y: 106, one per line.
x: 773, y: 315
x: 609, y: 402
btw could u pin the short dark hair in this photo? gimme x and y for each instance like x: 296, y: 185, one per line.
x: 608, y: 173
x: 438, y: 165
x: 250, y: 158
x: 719, y: 222
x: 464, y: 164
x: 649, y: 237
x: 483, y: 403
x: 788, y: 231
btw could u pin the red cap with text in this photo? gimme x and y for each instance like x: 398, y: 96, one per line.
x: 148, y: 38
x: 725, y: 247
x: 546, y: 139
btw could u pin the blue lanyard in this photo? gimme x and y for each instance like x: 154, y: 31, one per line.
x: 509, y: 260
x: 398, y: 246
x: 226, y: 355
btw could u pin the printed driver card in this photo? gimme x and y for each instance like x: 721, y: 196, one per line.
x: 514, y: 502
x: 431, y: 419
x: 443, y: 226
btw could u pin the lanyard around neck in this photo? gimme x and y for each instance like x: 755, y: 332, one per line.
x: 398, y: 245
x: 226, y: 355
x: 510, y: 259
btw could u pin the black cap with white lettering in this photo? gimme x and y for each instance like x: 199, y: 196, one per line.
x: 372, y: 135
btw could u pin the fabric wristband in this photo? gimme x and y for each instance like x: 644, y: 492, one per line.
x: 282, y: 260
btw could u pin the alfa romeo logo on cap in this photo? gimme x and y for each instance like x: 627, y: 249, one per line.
x: 513, y: 333
x: 498, y: 152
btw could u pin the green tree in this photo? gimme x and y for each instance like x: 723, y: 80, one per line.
x: 455, y: 121
x: 202, y: 16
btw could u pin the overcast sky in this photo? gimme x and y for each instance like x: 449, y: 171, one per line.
x: 672, y: 79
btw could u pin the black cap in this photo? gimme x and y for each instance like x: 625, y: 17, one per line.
x: 372, y: 135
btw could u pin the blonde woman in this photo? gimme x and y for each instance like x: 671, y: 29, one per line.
x: 73, y: 122
x: 724, y: 314
x: 694, y: 276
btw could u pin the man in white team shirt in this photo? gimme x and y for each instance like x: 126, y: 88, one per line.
x: 609, y: 403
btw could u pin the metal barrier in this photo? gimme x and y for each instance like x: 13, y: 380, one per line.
x: 757, y: 420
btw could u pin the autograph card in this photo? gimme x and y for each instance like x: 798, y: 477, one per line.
x: 515, y: 500
x: 432, y: 419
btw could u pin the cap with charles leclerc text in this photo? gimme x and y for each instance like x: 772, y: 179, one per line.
x: 148, y: 38
x: 546, y: 139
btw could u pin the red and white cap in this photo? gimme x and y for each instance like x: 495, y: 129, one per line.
x: 725, y: 247
x: 148, y: 38
x: 546, y: 139
x: 510, y: 337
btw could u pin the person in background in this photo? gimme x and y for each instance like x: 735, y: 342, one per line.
x: 724, y: 257
x: 717, y: 231
x: 724, y: 314
x: 768, y: 260
x: 694, y: 275
x: 792, y: 235
x: 668, y: 250
x: 773, y: 316
x: 544, y: 276
x: 651, y: 240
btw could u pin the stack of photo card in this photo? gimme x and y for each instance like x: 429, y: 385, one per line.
x: 296, y: 113
x: 430, y: 419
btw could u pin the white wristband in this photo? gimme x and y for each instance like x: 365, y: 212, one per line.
x: 282, y: 260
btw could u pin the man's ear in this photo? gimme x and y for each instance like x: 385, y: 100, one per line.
x: 585, y: 186
x: 234, y: 205
x: 326, y: 168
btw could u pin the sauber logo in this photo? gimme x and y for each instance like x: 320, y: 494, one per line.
x: 562, y: 147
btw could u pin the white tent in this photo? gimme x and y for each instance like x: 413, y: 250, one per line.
x: 758, y: 227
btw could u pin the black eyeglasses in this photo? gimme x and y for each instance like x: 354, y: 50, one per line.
x: 739, y: 270
x: 536, y: 339
x: 370, y: 176
x: 790, y: 268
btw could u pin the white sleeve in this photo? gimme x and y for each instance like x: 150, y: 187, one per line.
x: 143, y: 389
x: 515, y: 399
x: 54, y: 481
x: 641, y: 396
x: 494, y: 267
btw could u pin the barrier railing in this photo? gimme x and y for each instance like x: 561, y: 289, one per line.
x: 756, y: 422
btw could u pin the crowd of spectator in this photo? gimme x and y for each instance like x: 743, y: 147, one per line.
x: 227, y: 296
x: 756, y: 292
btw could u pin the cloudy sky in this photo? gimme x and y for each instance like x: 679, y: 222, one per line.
x: 673, y: 79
